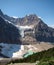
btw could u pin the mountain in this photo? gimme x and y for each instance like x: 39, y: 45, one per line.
x: 42, y: 31
x: 39, y: 32
x: 8, y: 32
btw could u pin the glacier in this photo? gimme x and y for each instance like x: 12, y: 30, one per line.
x: 11, y: 50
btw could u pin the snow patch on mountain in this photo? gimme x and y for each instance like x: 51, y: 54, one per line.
x: 23, y: 28
x: 39, y: 17
x: 14, y: 16
x: 51, y: 26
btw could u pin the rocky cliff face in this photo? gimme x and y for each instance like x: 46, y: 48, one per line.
x: 43, y: 32
x: 27, y: 20
x: 8, y: 32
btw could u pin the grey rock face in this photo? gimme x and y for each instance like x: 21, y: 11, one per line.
x: 43, y: 32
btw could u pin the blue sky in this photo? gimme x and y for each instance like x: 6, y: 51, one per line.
x: 20, y: 8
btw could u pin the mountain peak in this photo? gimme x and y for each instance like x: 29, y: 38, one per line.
x: 31, y: 15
